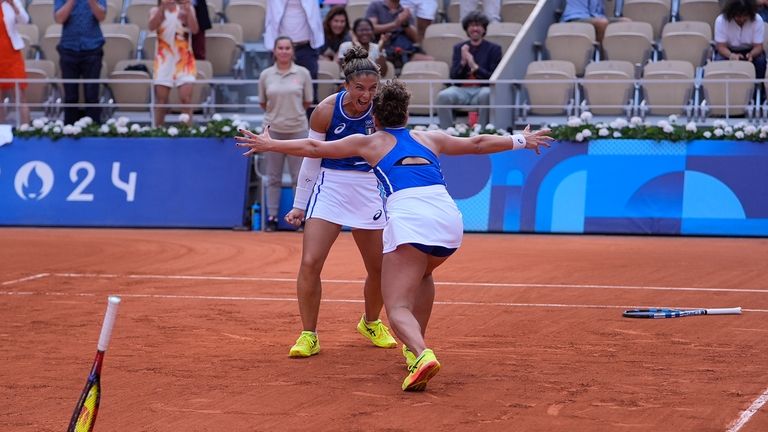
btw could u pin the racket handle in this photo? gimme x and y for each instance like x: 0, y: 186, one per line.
x: 109, y: 321
x: 724, y: 311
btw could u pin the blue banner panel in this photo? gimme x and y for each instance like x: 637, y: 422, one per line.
x: 125, y: 182
x: 616, y: 186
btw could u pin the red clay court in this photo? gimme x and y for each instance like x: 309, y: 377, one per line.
x: 528, y: 329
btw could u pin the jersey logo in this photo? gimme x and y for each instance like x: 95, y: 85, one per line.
x: 340, y: 128
x: 377, y: 215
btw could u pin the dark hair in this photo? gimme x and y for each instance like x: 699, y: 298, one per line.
x: 735, y: 8
x: 360, y: 21
x: 329, y: 35
x: 476, y: 17
x: 279, y: 38
x: 356, y: 62
x: 390, y: 106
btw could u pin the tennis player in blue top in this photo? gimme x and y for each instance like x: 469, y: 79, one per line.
x: 423, y: 226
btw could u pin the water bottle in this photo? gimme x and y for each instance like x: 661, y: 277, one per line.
x: 256, y: 217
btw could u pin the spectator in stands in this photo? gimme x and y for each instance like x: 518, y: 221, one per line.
x: 475, y: 58
x: 12, y: 12
x: 424, y: 11
x: 336, y: 28
x: 389, y: 16
x: 80, y: 52
x: 589, y: 11
x: 175, y: 22
x: 301, y: 21
x: 739, y: 34
x: 762, y: 9
x: 363, y: 31
x: 203, y: 23
x: 491, y: 8
x: 285, y: 92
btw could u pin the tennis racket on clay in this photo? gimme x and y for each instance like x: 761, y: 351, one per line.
x: 87, y: 406
x: 678, y: 313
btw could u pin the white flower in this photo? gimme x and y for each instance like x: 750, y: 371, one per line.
x: 433, y: 126
x: 668, y: 128
x: 226, y: 128
x: 763, y: 135
x: 490, y: 126
x: 739, y: 135
x: 720, y: 124
x: 451, y: 131
x: 258, y: 130
x: 718, y: 132
x: 616, y: 134
x: 603, y: 132
x: 216, y: 117
x: 122, y: 130
x: 574, y: 122
x: 728, y: 131
x: 57, y: 129
x: 691, y: 126
x: 461, y: 129
x: 24, y: 127
x: 184, y: 117
x: 38, y: 123
x: 586, y: 133
x: 579, y: 137
x: 420, y: 128
x: 81, y: 123
x: 244, y: 125
x: 619, y: 123
x: 750, y: 130
x: 203, y: 129
x: 764, y: 129
x: 59, y: 123
x: 173, y: 131
x: 672, y: 119
x: 46, y: 128
x: 111, y: 121
x: 104, y: 128
x: 69, y: 130
x: 135, y: 127
x: 86, y: 120
x: 636, y: 121
x: 586, y: 116
x: 707, y: 134
x: 662, y: 124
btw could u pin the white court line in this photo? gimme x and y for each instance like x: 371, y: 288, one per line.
x: 476, y: 284
x: 24, y: 279
x: 293, y: 299
x: 749, y: 412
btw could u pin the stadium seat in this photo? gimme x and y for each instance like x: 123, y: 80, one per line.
x: 503, y: 33
x: 120, y: 42
x: 48, y: 44
x: 114, y: 9
x: 137, y: 12
x: 737, y: 95
x: 549, y: 96
x: 31, y: 35
x: 41, y: 96
x: 424, y: 93
x: 150, y: 45
x: 440, y: 38
x: 215, y: 7
x: 516, y: 11
x: 250, y: 15
x: 608, y: 87
x: 654, y: 12
x: 700, y: 10
x: 453, y: 12
x: 224, y: 46
x: 390, y: 71
x: 686, y: 40
x: 663, y: 91
x: 128, y: 93
x: 630, y: 41
x: 356, y: 9
x: 41, y: 13
x: 573, y: 42
x: 327, y: 70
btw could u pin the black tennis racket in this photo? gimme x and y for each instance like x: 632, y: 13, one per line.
x: 678, y: 313
x: 87, y: 406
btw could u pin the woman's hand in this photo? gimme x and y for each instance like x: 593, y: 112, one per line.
x: 295, y: 217
x: 536, y: 140
x: 255, y: 143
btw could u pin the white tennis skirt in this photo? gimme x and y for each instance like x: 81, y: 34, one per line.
x: 426, y: 215
x: 348, y: 198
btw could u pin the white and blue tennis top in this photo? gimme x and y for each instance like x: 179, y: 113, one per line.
x: 393, y: 175
x: 341, y: 126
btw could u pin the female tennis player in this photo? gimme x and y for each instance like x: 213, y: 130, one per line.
x: 424, y: 226
x: 336, y: 192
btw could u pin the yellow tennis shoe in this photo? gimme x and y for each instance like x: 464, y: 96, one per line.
x: 306, y: 345
x: 410, y: 357
x: 377, y: 332
x: 421, y: 371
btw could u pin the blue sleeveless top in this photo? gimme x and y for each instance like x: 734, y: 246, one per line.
x: 341, y: 125
x: 393, y: 175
